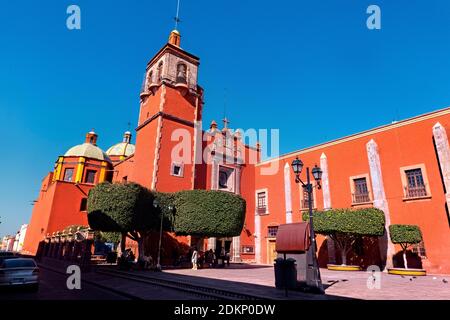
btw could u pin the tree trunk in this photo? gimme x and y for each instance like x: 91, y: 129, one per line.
x: 405, y: 261
x: 140, y: 242
x: 123, y: 242
x: 344, y: 256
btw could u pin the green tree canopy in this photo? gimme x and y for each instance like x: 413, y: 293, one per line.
x: 405, y: 234
x: 209, y: 213
x: 345, y: 226
x: 117, y: 207
x: 125, y: 208
x: 362, y: 222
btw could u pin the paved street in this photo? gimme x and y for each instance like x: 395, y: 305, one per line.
x: 53, y: 287
x: 250, y: 279
x: 340, y: 283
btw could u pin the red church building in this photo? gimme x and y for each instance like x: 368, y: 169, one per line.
x: 402, y: 168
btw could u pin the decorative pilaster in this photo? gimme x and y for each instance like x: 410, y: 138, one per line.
x: 287, y: 192
x: 387, y: 249
x: 102, y: 176
x: 257, y: 238
x: 238, y: 180
x: 211, y: 244
x: 443, y: 151
x: 325, y: 182
x: 57, y: 175
x: 327, y: 204
x: 237, y: 249
x: 80, y: 170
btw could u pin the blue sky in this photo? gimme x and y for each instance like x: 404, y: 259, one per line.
x: 309, y: 68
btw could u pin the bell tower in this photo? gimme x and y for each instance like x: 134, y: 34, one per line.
x: 170, y: 104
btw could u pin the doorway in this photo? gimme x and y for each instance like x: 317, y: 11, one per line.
x: 271, y: 252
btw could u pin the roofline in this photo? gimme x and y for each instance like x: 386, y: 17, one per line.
x: 423, y: 117
x: 174, y: 48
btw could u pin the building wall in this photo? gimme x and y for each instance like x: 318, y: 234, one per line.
x: 57, y: 208
x: 404, y: 144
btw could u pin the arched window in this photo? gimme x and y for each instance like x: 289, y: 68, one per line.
x: 149, y: 78
x: 181, y: 73
x: 160, y: 70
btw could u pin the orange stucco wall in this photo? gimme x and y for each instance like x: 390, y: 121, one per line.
x: 399, y: 146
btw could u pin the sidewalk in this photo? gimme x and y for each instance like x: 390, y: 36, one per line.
x: 337, y: 283
x: 241, y: 283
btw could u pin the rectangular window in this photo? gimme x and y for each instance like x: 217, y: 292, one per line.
x: 90, y: 176
x: 177, y: 169
x: 226, y: 179
x: 419, y: 249
x: 68, y: 174
x: 272, y: 232
x: 305, y: 196
x: 361, y: 193
x: 415, y: 186
x: 262, y: 204
x: 83, y: 205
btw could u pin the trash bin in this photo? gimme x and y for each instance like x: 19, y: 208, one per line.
x: 285, y: 273
x: 111, y: 257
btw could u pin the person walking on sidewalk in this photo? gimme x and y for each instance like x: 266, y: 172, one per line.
x: 194, y: 259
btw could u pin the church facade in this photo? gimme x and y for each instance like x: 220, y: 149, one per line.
x: 402, y: 168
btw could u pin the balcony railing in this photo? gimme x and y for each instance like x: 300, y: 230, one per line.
x: 361, y: 197
x: 415, y: 192
x: 262, y: 210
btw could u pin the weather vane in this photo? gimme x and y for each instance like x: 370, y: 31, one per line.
x: 177, y: 18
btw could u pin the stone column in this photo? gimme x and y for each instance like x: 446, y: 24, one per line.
x: 238, y: 180
x: 287, y: 192
x: 325, y: 182
x: 443, y: 151
x: 387, y: 249
x: 236, y: 249
x: 257, y: 238
x: 327, y: 204
x: 211, y: 244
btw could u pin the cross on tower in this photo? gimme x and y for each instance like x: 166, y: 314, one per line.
x: 225, y: 123
x: 177, y: 17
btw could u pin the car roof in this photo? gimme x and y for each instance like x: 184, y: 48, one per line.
x: 18, y: 261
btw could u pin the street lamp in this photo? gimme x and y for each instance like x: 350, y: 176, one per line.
x: 297, y: 166
x: 156, y: 205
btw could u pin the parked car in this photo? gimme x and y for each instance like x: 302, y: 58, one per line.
x: 19, y: 272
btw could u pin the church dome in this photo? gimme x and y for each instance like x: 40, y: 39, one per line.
x: 122, y: 149
x: 88, y: 149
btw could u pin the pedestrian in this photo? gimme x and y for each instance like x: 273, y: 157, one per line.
x: 194, y: 259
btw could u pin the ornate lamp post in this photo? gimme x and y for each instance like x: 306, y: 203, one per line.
x: 297, y: 167
x: 171, y: 209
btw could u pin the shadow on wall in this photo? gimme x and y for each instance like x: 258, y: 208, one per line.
x: 171, y: 249
x: 365, y: 252
x: 414, y: 261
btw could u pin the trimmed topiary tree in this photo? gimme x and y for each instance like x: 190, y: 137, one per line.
x: 208, y: 213
x: 125, y: 208
x: 405, y: 235
x: 345, y: 226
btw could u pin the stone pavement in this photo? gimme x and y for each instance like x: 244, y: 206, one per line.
x: 338, y: 283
